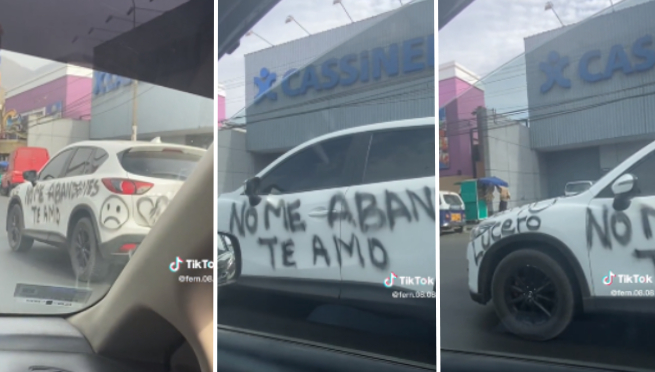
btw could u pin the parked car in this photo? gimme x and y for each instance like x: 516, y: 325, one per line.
x: 21, y: 160
x: 98, y: 200
x: 341, y: 214
x: 452, y: 216
x: 543, y: 262
x: 576, y: 187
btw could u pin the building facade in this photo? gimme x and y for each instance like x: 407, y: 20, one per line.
x: 459, y: 98
x: 591, y: 94
x: 375, y: 70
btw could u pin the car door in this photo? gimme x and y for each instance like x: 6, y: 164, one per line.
x: 620, y: 242
x: 388, y: 235
x: 290, y: 233
x: 42, y: 201
x: 73, y: 186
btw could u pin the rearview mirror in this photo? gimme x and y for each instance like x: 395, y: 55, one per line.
x: 30, y: 176
x: 251, y: 188
x: 228, y: 260
x: 624, y: 188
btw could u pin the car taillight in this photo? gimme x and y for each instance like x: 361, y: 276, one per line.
x: 128, y: 247
x: 126, y: 187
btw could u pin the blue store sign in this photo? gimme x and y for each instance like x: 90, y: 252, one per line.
x: 594, y: 66
x: 409, y: 56
x: 104, y: 82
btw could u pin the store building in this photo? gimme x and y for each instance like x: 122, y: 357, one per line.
x: 50, y: 111
x: 174, y: 116
x: 374, y: 70
x: 591, y: 94
x: 459, y: 97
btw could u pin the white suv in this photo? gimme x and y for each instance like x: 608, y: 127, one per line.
x: 342, y: 214
x: 541, y: 263
x: 98, y: 200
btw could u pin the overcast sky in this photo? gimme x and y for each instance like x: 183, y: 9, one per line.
x: 490, y: 33
x: 314, y: 15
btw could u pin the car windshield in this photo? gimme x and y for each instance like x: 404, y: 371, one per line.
x: 534, y: 94
x: 337, y: 234
x: 167, y: 163
x: 452, y: 199
x: 101, y: 126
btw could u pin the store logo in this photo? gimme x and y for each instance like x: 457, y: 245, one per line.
x: 105, y: 83
x: 554, y: 69
x: 405, y: 57
x: 264, y: 83
x: 595, y: 66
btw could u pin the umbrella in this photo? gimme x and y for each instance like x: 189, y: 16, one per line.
x: 493, y: 181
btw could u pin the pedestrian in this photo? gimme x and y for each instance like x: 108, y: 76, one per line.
x: 504, y: 198
x: 489, y: 198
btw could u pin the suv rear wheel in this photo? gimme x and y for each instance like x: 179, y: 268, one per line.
x: 88, y: 264
x: 533, y: 295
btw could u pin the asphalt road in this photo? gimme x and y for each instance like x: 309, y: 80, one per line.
x: 624, y: 340
x: 42, y: 265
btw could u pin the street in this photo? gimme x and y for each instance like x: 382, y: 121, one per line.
x: 602, y: 339
x: 42, y: 265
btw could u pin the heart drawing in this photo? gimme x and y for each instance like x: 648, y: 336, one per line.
x: 150, y: 210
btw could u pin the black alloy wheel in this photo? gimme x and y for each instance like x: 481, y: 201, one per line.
x: 533, y: 295
x: 18, y: 242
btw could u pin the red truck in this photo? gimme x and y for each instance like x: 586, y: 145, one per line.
x: 21, y: 160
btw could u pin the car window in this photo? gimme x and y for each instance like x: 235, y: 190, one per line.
x: 643, y: 170
x: 319, y: 166
x: 401, y: 154
x: 55, y: 166
x: 97, y: 159
x: 452, y: 199
x: 160, y: 163
x: 79, y: 162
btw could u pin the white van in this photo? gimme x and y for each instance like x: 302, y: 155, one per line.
x: 452, y: 216
x: 346, y: 215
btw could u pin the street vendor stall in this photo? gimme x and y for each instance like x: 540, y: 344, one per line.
x: 473, y: 194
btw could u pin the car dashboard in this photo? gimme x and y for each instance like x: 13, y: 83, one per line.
x: 50, y: 344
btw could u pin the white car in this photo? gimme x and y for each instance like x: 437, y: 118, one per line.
x: 98, y: 200
x: 543, y: 262
x: 348, y: 215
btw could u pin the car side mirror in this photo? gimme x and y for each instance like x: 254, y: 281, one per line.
x: 30, y: 176
x: 251, y: 189
x: 624, y: 188
x: 228, y: 260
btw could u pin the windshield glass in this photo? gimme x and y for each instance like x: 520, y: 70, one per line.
x: 452, y: 199
x: 532, y: 94
x: 330, y: 236
x: 79, y: 105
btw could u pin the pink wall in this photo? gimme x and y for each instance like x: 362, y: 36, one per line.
x: 73, y: 91
x: 460, y: 100
x: 220, y: 102
x: 78, y: 98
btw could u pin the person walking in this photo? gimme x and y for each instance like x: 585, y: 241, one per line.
x: 504, y: 198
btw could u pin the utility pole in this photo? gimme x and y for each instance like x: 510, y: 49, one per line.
x: 134, y: 84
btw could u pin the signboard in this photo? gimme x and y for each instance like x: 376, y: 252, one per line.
x: 598, y: 65
x: 396, y: 59
x: 444, y: 156
x: 104, y: 82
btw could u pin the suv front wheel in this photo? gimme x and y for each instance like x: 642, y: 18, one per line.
x: 88, y: 264
x: 533, y: 295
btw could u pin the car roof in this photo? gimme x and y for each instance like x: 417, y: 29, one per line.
x: 120, y: 145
